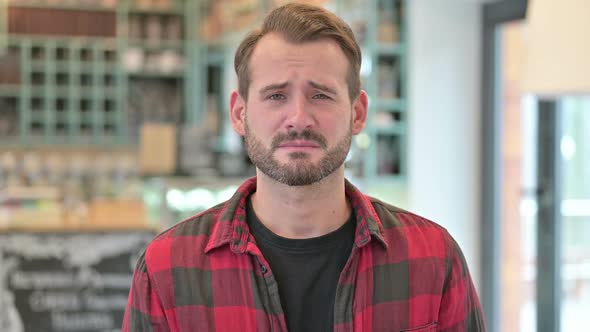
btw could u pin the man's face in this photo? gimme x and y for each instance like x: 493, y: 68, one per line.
x: 300, y: 170
x: 298, y: 119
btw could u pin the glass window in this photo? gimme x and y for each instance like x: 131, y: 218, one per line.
x: 575, y: 210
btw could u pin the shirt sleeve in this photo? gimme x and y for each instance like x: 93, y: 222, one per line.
x: 144, y: 311
x: 460, y: 309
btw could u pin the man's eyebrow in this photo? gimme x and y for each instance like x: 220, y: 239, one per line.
x: 276, y: 86
x: 322, y: 87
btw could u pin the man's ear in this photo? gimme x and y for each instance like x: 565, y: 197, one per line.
x: 359, y: 112
x: 237, y: 113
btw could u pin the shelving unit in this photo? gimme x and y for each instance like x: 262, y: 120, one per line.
x: 152, y: 61
x: 93, y: 73
x: 387, y: 90
x: 380, y: 28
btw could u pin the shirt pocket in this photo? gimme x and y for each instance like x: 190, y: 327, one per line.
x: 424, y: 328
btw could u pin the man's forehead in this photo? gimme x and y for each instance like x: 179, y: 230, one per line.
x: 273, y: 56
x: 276, y: 38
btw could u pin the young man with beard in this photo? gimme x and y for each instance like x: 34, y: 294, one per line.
x: 298, y: 248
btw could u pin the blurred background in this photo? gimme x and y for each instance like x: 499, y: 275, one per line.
x: 114, y: 127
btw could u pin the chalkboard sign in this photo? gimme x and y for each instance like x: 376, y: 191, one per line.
x: 67, y: 281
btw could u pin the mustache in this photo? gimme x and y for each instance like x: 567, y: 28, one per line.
x: 308, y: 135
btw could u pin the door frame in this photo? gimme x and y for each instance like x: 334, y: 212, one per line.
x: 493, y: 14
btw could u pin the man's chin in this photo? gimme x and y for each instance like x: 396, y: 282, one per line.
x: 299, y: 167
x: 295, y: 175
x: 299, y: 181
x: 299, y: 156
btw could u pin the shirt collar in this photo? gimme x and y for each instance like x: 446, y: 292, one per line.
x: 231, y: 227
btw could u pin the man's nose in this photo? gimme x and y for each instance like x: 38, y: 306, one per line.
x: 300, y: 115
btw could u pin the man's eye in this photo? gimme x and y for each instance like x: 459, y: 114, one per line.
x: 276, y: 96
x: 321, y: 96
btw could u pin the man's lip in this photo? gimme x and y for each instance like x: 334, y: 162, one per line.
x: 299, y: 144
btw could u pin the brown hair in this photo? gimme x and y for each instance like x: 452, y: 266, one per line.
x: 299, y: 23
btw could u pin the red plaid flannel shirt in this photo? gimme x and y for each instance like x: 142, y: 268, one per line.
x: 404, y: 273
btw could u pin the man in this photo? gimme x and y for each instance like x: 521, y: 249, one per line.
x: 298, y: 248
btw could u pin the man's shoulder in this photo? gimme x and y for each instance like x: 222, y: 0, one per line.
x: 412, y: 235
x: 191, y: 234
x: 394, y: 217
x: 200, y: 224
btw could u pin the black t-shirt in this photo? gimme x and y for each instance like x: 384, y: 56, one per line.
x: 306, y: 270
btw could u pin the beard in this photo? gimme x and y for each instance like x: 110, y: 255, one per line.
x: 300, y: 171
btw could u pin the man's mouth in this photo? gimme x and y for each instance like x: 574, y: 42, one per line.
x: 299, y: 144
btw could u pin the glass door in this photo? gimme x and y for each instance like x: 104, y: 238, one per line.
x: 575, y: 212
x: 535, y: 191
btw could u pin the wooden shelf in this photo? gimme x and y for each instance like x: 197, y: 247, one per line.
x: 57, y: 5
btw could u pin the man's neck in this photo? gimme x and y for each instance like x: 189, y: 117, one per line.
x: 300, y: 212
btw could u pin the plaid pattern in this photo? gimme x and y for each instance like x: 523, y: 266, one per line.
x: 405, y: 273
